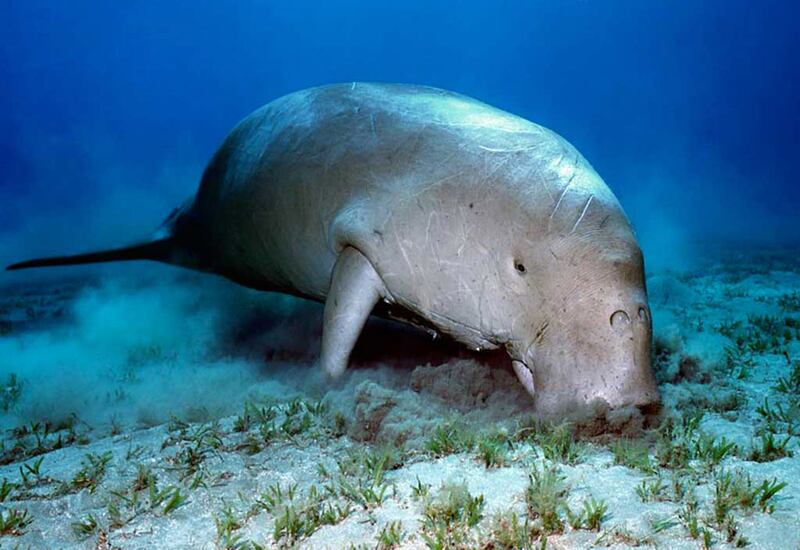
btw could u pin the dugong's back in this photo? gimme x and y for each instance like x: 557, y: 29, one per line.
x: 289, y: 177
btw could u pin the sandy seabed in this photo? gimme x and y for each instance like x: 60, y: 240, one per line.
x: 167, y: 410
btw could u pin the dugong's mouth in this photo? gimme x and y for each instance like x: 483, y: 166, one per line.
x: 525, y: 375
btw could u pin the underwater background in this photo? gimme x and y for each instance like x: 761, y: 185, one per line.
x: 198, y: 401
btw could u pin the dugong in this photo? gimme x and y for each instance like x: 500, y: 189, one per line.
x: 432, y: 208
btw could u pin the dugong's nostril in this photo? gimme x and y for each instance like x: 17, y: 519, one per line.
x: 620, y: 319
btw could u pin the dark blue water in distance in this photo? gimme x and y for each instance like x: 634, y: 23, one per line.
x: 689, y: 110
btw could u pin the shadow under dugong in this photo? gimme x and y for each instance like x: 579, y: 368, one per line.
x: 429, y: 207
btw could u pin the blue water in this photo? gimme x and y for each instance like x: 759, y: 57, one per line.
x: 689, y: 110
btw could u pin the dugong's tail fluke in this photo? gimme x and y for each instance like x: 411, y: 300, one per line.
x: 159, y: 250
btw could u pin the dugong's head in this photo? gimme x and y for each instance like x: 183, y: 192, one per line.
x: 541, y: 261
x: 574, y: 318
x: 584, y: 329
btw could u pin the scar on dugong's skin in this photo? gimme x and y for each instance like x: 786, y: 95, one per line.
x: 429, y: 207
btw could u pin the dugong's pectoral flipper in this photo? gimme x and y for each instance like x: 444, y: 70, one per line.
x: 355, y: 289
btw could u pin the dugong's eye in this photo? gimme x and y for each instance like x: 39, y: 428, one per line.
x: 519, y: 266
x: 620, y: 319
x: 643, y: 313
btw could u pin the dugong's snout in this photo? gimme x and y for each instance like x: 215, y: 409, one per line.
x: 629, y: 360
x: 597, y: 358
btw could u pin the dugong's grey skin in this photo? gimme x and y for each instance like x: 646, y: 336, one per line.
x: 434, y: 208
